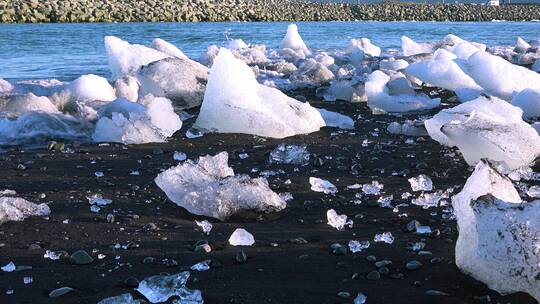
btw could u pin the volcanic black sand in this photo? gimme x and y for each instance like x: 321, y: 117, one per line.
x: 280, y: 268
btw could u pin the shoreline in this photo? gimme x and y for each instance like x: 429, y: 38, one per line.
x: 71, y: 11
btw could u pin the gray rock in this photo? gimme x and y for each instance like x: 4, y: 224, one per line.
x: 413, y: 265
x: 373, y: 275
x: 80, y: 257
x: 60, y: 292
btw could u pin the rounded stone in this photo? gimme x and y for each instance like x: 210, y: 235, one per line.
x: 80, y: 257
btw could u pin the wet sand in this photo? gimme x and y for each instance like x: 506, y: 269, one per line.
x: 279, y: 269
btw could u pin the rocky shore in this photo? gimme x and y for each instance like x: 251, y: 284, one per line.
x: 34, y: 11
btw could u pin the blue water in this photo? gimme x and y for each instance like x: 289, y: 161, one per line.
x: 65, y: 51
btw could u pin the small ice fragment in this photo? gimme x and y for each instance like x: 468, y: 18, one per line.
x: 160, y: 288
x: 385, y: 201
x: 135, y: 173
x: 99, y: 174
x: 421, y: 183
x: 337, y: 221
x: 205, y: 225
x: 17, y: 209
x: 201, y: 266
x: 98, y: 200
x: 386, y: 237
x: 355, y: 186
x: 321, y: 185
x: 125, y: 298
x: 243, y: 155
x: 360, y: 298
x: 192, y: 133
x: 372, y: 189
x: 534, y: 192
x: 286, y: 196
x: 289, y: 154
x: 356, y: 246
x: 53, y: 255
x: 240, y: 237
x: 95, y: 208
x: 406, y: 195
x: 10, y: 267
x: 423, y: 229
x: 179, y: 156
x: 427, y: 200
x: 28, y: 280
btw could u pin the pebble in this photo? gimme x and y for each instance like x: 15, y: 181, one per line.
x: 371, y: 258
x: 338, y: 249
x: 413, y: 265
x: 241, y: 257
x: 373, y: 275
x: 131, y: 282
x: 80, y: 257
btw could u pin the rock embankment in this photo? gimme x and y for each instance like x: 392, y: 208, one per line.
x: 32, y: 11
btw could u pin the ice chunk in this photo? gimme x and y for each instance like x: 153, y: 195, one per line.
x: 5, y: 86
x: 321, y: 185
x: 289, y: 154
x: 465, y: 49
x: 125, y: 298
x: 97, y: 199
x: 365, y: 46
x: 393, y: 65
x: 294, y: 42
x: 428, y: 200
x: 236, y: 44
x: 201, y: 266
x: 410, y: 128
x: 498, y: 236
x: 160, y: 288
x: 347, y: 90
x: 17, y: 209
x: 167, y: 48
x: 338, y: 221
x: 529, y: 101
x: 385, y: 237
x: 442, y: 73
x: 380, y: 99
x: 336, y: 120
x: 20, y: 104
x: 410, y: 47
x: 499, y: 77
x: 521, y: 45
x: 126, y: 59
x: 240, y: 237
x: 205, y: 225
x: 131, y: 123
x: 181, y: 80
x: 179, y: 156
x: 534, y: 191
x: 374, y: 188
x: 210, y: 188
x: 311, y: 73
x: 9, y: 267
x: 91, y: 87
x: 357, y: 246
x: 235, y: 103
x: 127, y: 88
x: 421, y: 182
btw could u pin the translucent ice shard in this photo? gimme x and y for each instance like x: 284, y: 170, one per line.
x: 421, y: 182
x: 338, y: 221
x: 210, y: 188
x: 358, y: 246
x: 385, y: 237
x: 17, y: 209
x: 374, y: 188
x: 321, y: 185
x: 289, y: 154
x: 240, y: 237
x: 160, y: 288
x: 205, y: 225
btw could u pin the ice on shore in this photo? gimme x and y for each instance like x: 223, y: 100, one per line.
x: 125, y: 298
x: 234, y: 102
x: 209, y: 187
x: 240, y: 237
x: 421, y: 182
x: 322, y: 185
x: 498, y: 234
x: 408, y: 127
x: 19, y: 104
x: 336, y: 120
x: 91, y: 88
x: 167, y: 48
x: 338, y: 221
x: 393, y: 64
x: 17, y: 209
x: 487, y: 128
x: 311, y: 73
x: 379, y: 98
x: 160, y: 288
x: 133, y: 123
x: 499, y: 77
x: 293, y: 44
x: 237, y: 44
x: 409, y: 47
x: 443, y: 73
x: 181, y: 80
x: 5, y: 86
x: 364, y: 45
x: 529, y: 101
x: 289, y: 154
x: 521, y: 45
x: 344, y: 89
x: 126, y: 59
x: 127, y: 88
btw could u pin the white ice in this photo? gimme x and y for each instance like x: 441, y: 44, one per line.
x: 529, y: 101
x: 293, y: 41
x: 365, y: 46
x: 17, y: 209
x: 234, y: 102
x: 240, y: 237
x: 167, y: 48
x: 409, y: 47
x: 338, y: 221
x: 322, y: 185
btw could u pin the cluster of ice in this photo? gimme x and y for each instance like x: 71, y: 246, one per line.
x: 234, y: 102
x: 498, y: 233
x: 380, y: 96
x: 160, y: 288
x: 338, y: 221
x: 209, y: 187
x: 17, y: 209
x: 487, y: 128
x: 240, y: 237
x: 152, y: 120
x: 322, y: 185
